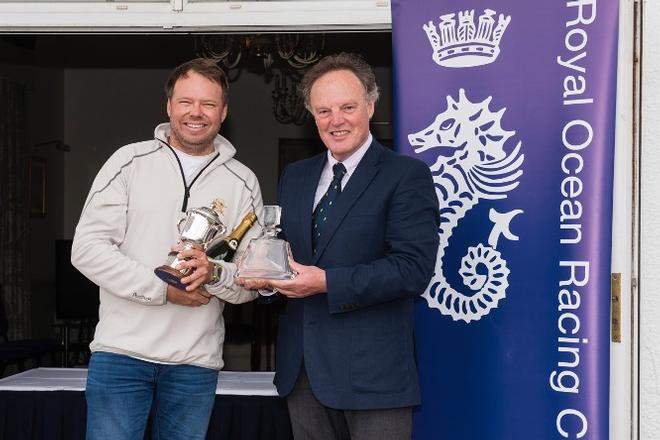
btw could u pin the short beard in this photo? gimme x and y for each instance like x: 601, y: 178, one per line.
x: 191, y: 148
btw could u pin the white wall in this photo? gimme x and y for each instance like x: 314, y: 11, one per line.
x: 621, y: 408
x: 650, y: 228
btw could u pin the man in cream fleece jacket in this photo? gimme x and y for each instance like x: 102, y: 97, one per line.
x: 154, y: 344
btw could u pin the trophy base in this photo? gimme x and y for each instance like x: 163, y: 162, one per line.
x: 170, y: 276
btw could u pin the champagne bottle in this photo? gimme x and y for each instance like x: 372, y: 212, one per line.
x: 225, y: 247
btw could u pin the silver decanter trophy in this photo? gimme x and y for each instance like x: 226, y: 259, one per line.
x: 267, y: 256
x: 196, y: 230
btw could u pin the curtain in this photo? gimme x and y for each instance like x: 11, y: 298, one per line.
x: 14, y: 232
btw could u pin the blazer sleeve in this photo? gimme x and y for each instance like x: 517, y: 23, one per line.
x: 411, y: 236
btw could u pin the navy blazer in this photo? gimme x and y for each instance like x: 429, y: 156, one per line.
x: 378, y: 250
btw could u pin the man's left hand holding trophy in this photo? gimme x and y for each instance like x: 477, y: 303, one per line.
x: 188, y: 268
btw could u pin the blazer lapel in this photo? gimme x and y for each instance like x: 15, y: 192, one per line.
x: 306, y: 205
x: 359, y: 181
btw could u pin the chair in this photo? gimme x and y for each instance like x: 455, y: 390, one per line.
x: 18, y: 352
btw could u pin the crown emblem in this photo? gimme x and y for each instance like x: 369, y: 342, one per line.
x: 465, y: 44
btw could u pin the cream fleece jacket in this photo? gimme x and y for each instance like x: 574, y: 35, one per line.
x: 126, y: 229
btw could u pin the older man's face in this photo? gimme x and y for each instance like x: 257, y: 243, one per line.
x: 341, y: 111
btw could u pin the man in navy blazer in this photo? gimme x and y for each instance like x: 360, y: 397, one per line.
x: 345, y: 348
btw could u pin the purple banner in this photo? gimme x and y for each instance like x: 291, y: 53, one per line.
x: 512, y: 105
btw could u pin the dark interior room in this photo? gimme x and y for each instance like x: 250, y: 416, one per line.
x: 67, y: 101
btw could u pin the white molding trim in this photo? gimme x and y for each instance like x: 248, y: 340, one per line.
x: 198, y: 17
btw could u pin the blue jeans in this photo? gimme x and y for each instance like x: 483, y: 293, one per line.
x: 122, y: 391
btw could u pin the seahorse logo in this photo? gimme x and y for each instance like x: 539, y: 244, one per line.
x: 471, y: 165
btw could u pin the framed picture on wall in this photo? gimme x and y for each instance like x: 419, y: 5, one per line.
x: 37, y: 187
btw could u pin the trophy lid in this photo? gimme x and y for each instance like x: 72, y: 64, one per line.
x: 272, y: 215
x: 207, y: 212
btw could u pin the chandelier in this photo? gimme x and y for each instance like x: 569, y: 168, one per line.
x: 282, y: 59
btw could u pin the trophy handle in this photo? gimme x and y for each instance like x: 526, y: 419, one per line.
x: 178, y: 225
x: 218, y: 235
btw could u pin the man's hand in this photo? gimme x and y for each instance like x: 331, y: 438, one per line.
x: 200, y: 266
x: 309, y: 281
x: 195, y: 298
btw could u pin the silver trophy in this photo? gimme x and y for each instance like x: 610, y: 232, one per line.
x: 196, y: 230
x: 267, y: 256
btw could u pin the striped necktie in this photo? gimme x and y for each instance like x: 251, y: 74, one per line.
x: 320, y: 214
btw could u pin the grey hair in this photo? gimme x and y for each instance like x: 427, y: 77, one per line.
x: 343, y: 61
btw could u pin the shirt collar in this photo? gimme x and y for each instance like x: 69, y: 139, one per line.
x: 354, y: 159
